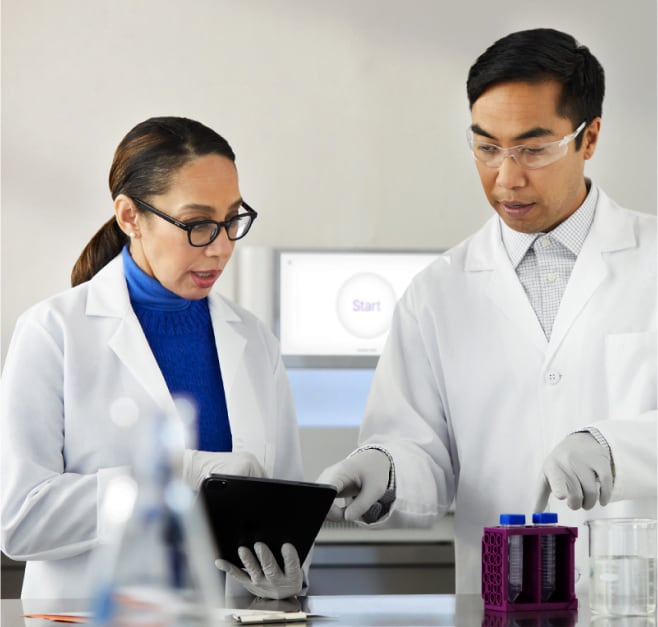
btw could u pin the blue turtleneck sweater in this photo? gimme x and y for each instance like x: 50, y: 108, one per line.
x: 180, y: 334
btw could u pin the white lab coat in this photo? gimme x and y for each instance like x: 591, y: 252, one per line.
x: 469, y: 396
x: 70, y: 357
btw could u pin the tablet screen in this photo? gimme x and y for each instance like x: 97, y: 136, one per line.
x: 245, y: 510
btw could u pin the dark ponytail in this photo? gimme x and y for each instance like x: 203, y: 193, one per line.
x: 104, y: 246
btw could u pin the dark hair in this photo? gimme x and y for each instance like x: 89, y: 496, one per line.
x: 143, y: 165
x: 539, y: 55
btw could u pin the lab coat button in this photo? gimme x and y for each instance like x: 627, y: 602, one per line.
x: 553, y: 377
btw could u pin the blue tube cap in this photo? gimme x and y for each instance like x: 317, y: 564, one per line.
x: 544, y: 518
x: 512, y: 519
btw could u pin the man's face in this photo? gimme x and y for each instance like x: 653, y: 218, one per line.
x: 519, y: 113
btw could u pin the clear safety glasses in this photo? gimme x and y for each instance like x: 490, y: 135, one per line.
x: 204, y: 232
x: 530, y: 156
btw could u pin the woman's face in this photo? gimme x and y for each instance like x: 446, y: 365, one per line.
x: 205, y: 188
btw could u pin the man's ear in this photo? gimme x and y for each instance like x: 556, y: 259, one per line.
x: 590, y: 138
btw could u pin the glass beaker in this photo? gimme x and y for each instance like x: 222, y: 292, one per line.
x: 622, y: 566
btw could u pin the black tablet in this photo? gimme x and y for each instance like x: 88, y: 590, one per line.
x: 245, y: 510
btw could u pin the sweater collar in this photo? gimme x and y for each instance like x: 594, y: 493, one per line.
x: 145, y: 291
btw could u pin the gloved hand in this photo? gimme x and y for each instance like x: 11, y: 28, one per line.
x: 363, y: 476
x: 579, y: 470
x: 197, y: 465
x: 264, y: 577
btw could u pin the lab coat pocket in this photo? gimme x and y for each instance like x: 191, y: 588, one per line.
x: 630, y: 361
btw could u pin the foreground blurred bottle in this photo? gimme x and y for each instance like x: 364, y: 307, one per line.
x: 154, y: 566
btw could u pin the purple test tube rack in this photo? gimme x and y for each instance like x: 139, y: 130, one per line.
x: 495, y: 568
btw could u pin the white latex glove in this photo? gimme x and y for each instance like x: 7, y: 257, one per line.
x: 579, y: 470
x: 363, y: 476
x: 197, y: 465
x: 264, y: 578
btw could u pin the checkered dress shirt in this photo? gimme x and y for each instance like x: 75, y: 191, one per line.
x: 544, y: 261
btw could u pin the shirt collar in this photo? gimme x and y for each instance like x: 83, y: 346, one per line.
x: 571, y: 233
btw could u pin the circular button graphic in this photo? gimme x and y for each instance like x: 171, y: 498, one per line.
x: 365, y: 304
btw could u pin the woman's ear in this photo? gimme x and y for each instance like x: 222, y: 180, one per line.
x: 126, y: 215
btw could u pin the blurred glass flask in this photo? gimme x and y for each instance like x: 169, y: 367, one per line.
x: 155, y: 566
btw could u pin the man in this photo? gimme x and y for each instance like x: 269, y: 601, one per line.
x: 520, y: 370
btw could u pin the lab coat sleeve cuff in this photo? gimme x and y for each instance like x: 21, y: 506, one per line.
x: 381, y: 508
x: 105, y: 476
x: 598, y: 436
x: 634, y: 445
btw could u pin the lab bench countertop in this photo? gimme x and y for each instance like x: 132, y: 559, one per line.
x: 411, y: 610
x: 443, y: 531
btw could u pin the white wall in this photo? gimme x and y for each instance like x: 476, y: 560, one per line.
x: 348, y: 116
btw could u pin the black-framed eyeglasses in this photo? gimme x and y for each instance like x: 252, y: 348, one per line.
x: 204, y: 232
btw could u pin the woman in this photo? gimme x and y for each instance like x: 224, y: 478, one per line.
x: 141, y: 321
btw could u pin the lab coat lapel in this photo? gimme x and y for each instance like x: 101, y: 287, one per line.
x: 230, y: 342
x: 240, y: 379
x: 108, y: 297
x: 131, y: 347
x: 609, y: 232
x: 487, y: 254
